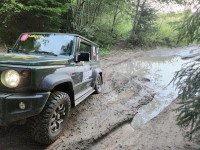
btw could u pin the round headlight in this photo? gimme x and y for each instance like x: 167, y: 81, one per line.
x: 10, y: 78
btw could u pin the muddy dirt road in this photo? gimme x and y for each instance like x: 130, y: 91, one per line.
x: 135, y: 91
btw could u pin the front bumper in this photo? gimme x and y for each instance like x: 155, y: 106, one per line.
x: 9, y: 106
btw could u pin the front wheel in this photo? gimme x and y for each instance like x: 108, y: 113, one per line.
x: 98, y: 84
x: 49, y: 124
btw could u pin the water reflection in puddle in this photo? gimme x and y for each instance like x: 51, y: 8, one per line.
x: 160, y: 70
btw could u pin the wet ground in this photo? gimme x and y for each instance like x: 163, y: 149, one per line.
x: 154, y: 126
x: 158, y: 67
x: 135, y: 91
x: 160, y: 70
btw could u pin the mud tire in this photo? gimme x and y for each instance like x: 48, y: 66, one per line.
x: 98, y: 85
x: 41, y: 124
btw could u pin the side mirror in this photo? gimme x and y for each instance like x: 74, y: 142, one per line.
x: 84, y: 56
x: 10, y: 50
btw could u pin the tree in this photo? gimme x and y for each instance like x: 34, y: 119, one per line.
x: 84, y: 14
x: 143, y: 18
x: 89, y: 16
x: 17, y: 16
x: 69, y: 16
x: 97, y: 20
x: 187, y: 80
x: 188, y: 29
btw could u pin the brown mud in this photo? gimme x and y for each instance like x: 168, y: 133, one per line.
x: 103, y: 121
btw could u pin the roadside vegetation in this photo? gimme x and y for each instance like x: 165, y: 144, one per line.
x: 103, y: 21
x: 167, y: 35
x: 164, y: 35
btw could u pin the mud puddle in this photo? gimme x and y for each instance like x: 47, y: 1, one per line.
x: 160, y: 71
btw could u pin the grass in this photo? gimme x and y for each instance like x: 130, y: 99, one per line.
x: 104, y: 51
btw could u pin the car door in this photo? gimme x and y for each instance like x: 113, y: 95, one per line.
x: 83, y: 69
x: 94, y: 58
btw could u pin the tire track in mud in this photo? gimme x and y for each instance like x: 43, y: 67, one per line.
x: 96, y: 117
x: 106, y: 113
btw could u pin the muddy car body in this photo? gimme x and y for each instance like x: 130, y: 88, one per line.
x: 43, y: 76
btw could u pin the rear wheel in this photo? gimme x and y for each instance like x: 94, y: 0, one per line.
x: 49, y: 124
x: 98, y: 84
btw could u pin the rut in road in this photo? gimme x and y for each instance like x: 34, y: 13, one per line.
x: 101, y: 114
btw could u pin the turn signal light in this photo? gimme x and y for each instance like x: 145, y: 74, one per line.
x: 25, y: 73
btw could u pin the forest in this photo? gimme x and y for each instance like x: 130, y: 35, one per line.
x: 103, y: 21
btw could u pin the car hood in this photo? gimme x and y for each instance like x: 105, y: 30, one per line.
x: 31, y: 60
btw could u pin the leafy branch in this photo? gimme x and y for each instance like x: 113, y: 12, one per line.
x: 187, y: 81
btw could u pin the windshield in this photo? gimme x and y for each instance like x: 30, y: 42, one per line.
x: 58, y: 44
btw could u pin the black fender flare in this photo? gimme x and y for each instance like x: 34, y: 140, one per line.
x: 95, y: 74
x: 52, y: 80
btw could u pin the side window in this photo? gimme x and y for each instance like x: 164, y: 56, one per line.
x: 85, y: 48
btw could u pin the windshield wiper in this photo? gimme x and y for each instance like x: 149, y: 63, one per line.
x: 45, y: 52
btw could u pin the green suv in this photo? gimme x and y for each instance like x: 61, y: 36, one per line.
x: 43, y: 76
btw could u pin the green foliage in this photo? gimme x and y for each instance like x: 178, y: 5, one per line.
x: 30, y: 16
x: 166, y: 35
x: 187, y: 81
x: 87, y: 31
x: 103, y: 21
x: 143, y: 24
x: 183, y: 2
x: 105, y: 51
x: 99, y: 20
x: 188, y: 28
x: 124, y: 28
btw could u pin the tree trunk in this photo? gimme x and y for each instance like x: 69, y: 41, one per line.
x: 88, y: 13
x: 115, y: 17
x: 136, y: 17
x: 73, y: 16
x: 96, y: 11
x: 139, y: 16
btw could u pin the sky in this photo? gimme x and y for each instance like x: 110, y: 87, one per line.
x: 173, y: 7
